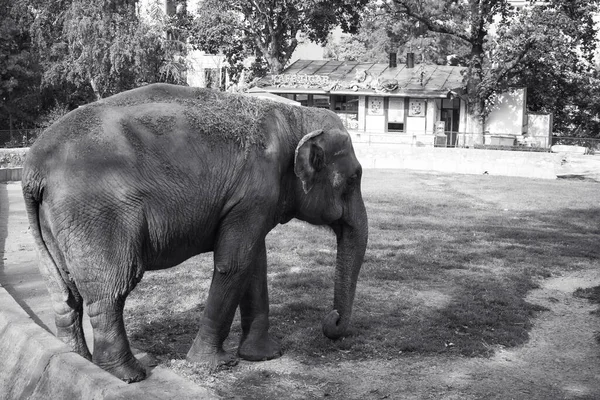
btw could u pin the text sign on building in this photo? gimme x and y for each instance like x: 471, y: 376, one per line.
x: 416, y: 108
x: 375, y: 106
x: 300, y: 80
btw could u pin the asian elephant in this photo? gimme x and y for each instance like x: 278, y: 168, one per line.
x: 148, y: 178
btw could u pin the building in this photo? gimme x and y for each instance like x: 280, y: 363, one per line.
x: 417, y: 104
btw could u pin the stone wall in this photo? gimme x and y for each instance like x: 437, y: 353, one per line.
x: 440, y: 159
x: 478, y: 161
x: 10, y: 174
x: 12, y: 158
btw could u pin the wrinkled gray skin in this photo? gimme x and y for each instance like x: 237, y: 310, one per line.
x: 108, y: 199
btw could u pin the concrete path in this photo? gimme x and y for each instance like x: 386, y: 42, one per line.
x: 35, y: 364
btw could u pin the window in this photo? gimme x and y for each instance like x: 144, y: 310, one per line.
x: 395, y: 127
x: 302, y: 99
x: 396, y: 114
x: 346, y: 107
x: 321, y: 101
x: 345, y: 104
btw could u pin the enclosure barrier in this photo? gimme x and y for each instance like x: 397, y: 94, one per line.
x: 16, y: 138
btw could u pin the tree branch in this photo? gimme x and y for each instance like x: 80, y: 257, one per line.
x: 406, y: 9
x: 517, y: 60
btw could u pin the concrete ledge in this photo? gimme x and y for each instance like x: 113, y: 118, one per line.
x: 37, y: 365
x: 10, y: 174
x: 458, y: 160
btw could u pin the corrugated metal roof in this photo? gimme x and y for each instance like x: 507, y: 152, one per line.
x: 328, y: 76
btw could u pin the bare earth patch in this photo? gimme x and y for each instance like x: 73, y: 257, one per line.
x: 418, y: 268
x: 560, y: 361
x: 466, y: 293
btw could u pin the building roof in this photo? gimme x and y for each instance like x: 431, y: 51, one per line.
x: 351, y: 77
x: 272, y: 97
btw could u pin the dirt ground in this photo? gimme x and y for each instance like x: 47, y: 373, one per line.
x: 560, y: 361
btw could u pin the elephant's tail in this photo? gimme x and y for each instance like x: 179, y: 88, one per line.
x: 33, y: 194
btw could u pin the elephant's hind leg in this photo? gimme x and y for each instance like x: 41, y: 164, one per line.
x: 111, y: 347
x: 68, y: 316
x: 66, y: 300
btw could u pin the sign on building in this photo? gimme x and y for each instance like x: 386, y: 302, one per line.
x: 416, y: 108
x: 375, y: 106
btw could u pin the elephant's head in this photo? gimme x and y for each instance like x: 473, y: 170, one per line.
x: 328, y: 192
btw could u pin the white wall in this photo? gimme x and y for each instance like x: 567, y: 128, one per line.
x: 197, y: 62
x: 508, y: 115
x: 361, y: 112
x: 539, y: 128
x: 416, y: 120
x: 432, y: 116
x: 375, y: 119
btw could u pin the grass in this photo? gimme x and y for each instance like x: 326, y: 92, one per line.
x: 450, y: 261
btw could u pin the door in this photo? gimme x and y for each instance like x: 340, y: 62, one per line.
x: 450, y: 115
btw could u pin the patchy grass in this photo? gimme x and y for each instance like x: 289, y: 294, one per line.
x: 449, y: 263
x: 592, y: 294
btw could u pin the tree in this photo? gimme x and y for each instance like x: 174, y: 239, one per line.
x: 370, y: 43
x: 469, y: 21
x: 270, y: 28
x: 214, y: 31
x: 505, y: 45
x: 19, y: 70
x: 103, y: 45
x: 381, y: 32
x: 553, y: 49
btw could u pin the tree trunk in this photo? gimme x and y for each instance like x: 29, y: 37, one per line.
x: 95, y: 89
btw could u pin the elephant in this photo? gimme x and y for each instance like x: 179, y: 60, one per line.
x: 150, y: 177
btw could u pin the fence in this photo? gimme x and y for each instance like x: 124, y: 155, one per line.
x: 25, y: 137
x: 472, y: 140
x: 593, y: 144
x: 18, y: 137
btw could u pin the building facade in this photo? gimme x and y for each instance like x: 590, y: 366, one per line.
x: 408, y: 103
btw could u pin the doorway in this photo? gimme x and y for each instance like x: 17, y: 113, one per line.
x: 450, y: 114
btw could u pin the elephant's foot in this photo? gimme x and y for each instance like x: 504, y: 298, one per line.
x: 83, y: 351
x: 259, y: 348
x: 129, y: 372
x: 78, y: 346
x: 213, y: 361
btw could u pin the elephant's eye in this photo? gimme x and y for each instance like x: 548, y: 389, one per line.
x: 351, y: 180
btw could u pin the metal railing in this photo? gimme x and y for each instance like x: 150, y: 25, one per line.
x: 488, y: 140
x: 592, y: 144
x: 25, y: 137
x: 18, y: 137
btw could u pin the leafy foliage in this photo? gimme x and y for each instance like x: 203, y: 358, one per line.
x: 56, y: 54
x: 19, y: 70
x: 269, y: 29
x: 553, y: 48
x: 104, y: 45
x: 547, y: 47
x: 381, y: 31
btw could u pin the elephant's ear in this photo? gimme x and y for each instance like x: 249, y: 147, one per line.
x: 309, y: 159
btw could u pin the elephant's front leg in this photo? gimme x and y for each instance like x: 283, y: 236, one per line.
x: 256, y: 343
x: 234, y: 255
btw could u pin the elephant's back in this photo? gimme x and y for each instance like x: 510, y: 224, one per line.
x: 179, y: 138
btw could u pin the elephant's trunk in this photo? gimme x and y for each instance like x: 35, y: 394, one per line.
x: 351, y: 245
